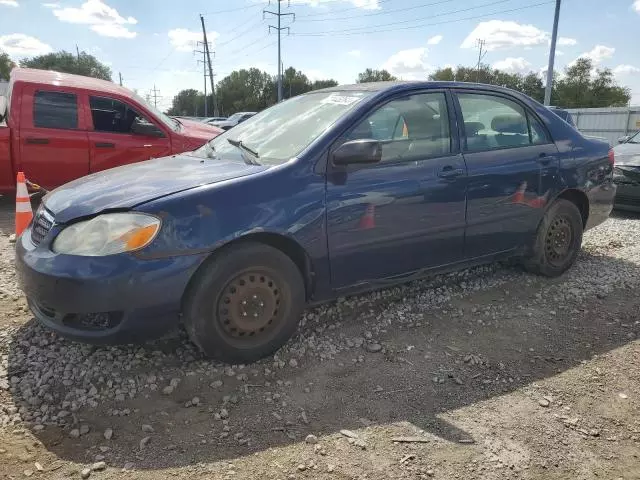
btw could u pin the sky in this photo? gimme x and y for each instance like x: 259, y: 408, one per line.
x: 152, y: 43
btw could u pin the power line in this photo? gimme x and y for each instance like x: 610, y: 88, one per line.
x: 155, y: 93
x: 351, y: 33
x: 279, y: 29
x: 480, y: 43
x: 385, y: 12
x: 243, y: 32
x: 337, y: 11
x: 246, y: 7
x: 402, y: 22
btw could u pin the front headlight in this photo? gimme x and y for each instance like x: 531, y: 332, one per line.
x: 107, y: 234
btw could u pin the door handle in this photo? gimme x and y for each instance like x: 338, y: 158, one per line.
x: 450, y: 172
x: 545, y: 159
x: 105, y: 145
x: 36, y: 141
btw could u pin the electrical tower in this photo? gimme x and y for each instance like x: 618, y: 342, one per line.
x: 279, y: 29
x: 208, y: 56
x: 205, y: 63
x: 480, y: 43
x: 155, y: 93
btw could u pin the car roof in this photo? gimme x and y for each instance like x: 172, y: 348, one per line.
x: 411, y: 85
x: 59, y: 79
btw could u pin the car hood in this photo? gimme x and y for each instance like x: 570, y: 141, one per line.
x: 627, y: 154
x: 225, y: 123
x: 130, y: 185
x: 199, y: 130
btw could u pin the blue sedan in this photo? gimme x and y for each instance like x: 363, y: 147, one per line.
x: 329, y: 193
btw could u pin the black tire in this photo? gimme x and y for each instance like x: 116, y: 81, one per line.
x: 558, y: 240
x: 272, y: 289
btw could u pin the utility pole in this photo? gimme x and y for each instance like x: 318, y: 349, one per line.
x: 552, y: 56
x: 120, y: 75
x: 480, y: 43
x: 204, y: 64
x: 279, y: 29
x: 154, y: 93
x: 77, y: 52
x: 213, y: 88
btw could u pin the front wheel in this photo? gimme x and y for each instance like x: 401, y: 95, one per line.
x: 558, y: 240
x: 245, y: 303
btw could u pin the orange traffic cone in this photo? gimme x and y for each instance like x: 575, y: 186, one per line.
x: 518, y: 196
x: 24, y: 214
x: 368, y: 220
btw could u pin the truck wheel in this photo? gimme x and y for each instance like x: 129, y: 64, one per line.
x: 558, y: 240
x: 245, y: 303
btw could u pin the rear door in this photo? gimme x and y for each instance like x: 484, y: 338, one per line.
x: 120, y: 134
x: 512, y: 170
x: 54, y: 144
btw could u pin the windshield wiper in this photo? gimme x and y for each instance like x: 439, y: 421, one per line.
x: 244, y: 149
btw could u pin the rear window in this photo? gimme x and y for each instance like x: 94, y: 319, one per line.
x: 55, y: 110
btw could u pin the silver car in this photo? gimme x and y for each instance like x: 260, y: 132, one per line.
x: 626, y: 173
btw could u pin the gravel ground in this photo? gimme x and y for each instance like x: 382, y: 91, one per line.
x: 486, y: 373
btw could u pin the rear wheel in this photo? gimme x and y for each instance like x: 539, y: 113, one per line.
x: 245, y: 303
x: 558, y: 240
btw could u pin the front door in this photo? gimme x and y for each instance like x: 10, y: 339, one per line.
x: 54, y: 145
x: 512, y: 167
x: 121, y: 135
x: 407, y: 212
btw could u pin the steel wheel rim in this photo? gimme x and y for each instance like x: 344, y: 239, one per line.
x: 249, y: 308
x: 559, y: 240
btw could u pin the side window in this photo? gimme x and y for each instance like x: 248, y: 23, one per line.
x: 493, y: 122
x: 55, y: 110
x: 410, y: 128
x: 110, y: 115
x: 538, y: 133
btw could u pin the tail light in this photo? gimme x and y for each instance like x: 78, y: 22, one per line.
x: 612, y: 158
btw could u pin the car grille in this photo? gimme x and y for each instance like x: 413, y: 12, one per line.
x: 42, y: 224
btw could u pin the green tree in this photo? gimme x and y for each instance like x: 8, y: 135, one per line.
x: 245, y: 90
x: 6, y: 65
x: 83, y: 64
x: 318, y: 84
x: 294, y: 82
x: 370, y: 75
x: 188, y: 102
x: 581, y: 87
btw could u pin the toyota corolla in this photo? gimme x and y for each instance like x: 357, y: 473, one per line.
x: 329, y: 193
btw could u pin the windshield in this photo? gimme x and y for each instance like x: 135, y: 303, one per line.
x: 281, y: 132
x: 168, y: 121
x: 235, y: 116
x: 635, y: 138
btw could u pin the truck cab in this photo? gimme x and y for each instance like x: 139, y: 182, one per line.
x: 57, y: 127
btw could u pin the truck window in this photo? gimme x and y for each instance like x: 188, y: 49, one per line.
x: 110, y: 115
x: 55, y: 110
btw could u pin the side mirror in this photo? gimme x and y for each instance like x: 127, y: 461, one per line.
x: 363, y: 151
x: 624, y: 139
x: 146, y: 129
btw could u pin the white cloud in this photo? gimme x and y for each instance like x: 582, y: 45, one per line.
x: 409, y: 64
x: 104, y: 20
x: 636, y: 6
x: 559, y: 53
x: 21, y: 45
x: 598, y: 53
x: 9, y: 3
x: 567, y: 42
x: 503, y: 34
x: 513, y: 65
x: 354, y: 53
x: 434, y: 40
x: 185, y: 40
x: 51, y: 5
x: 626, y: 69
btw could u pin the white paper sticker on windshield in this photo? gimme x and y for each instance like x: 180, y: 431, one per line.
x: 341, y: 99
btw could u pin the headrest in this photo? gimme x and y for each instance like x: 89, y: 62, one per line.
x: 472, y: 128
x: 509, y: 124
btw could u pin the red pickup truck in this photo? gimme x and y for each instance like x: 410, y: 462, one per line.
x: 57, y: 127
